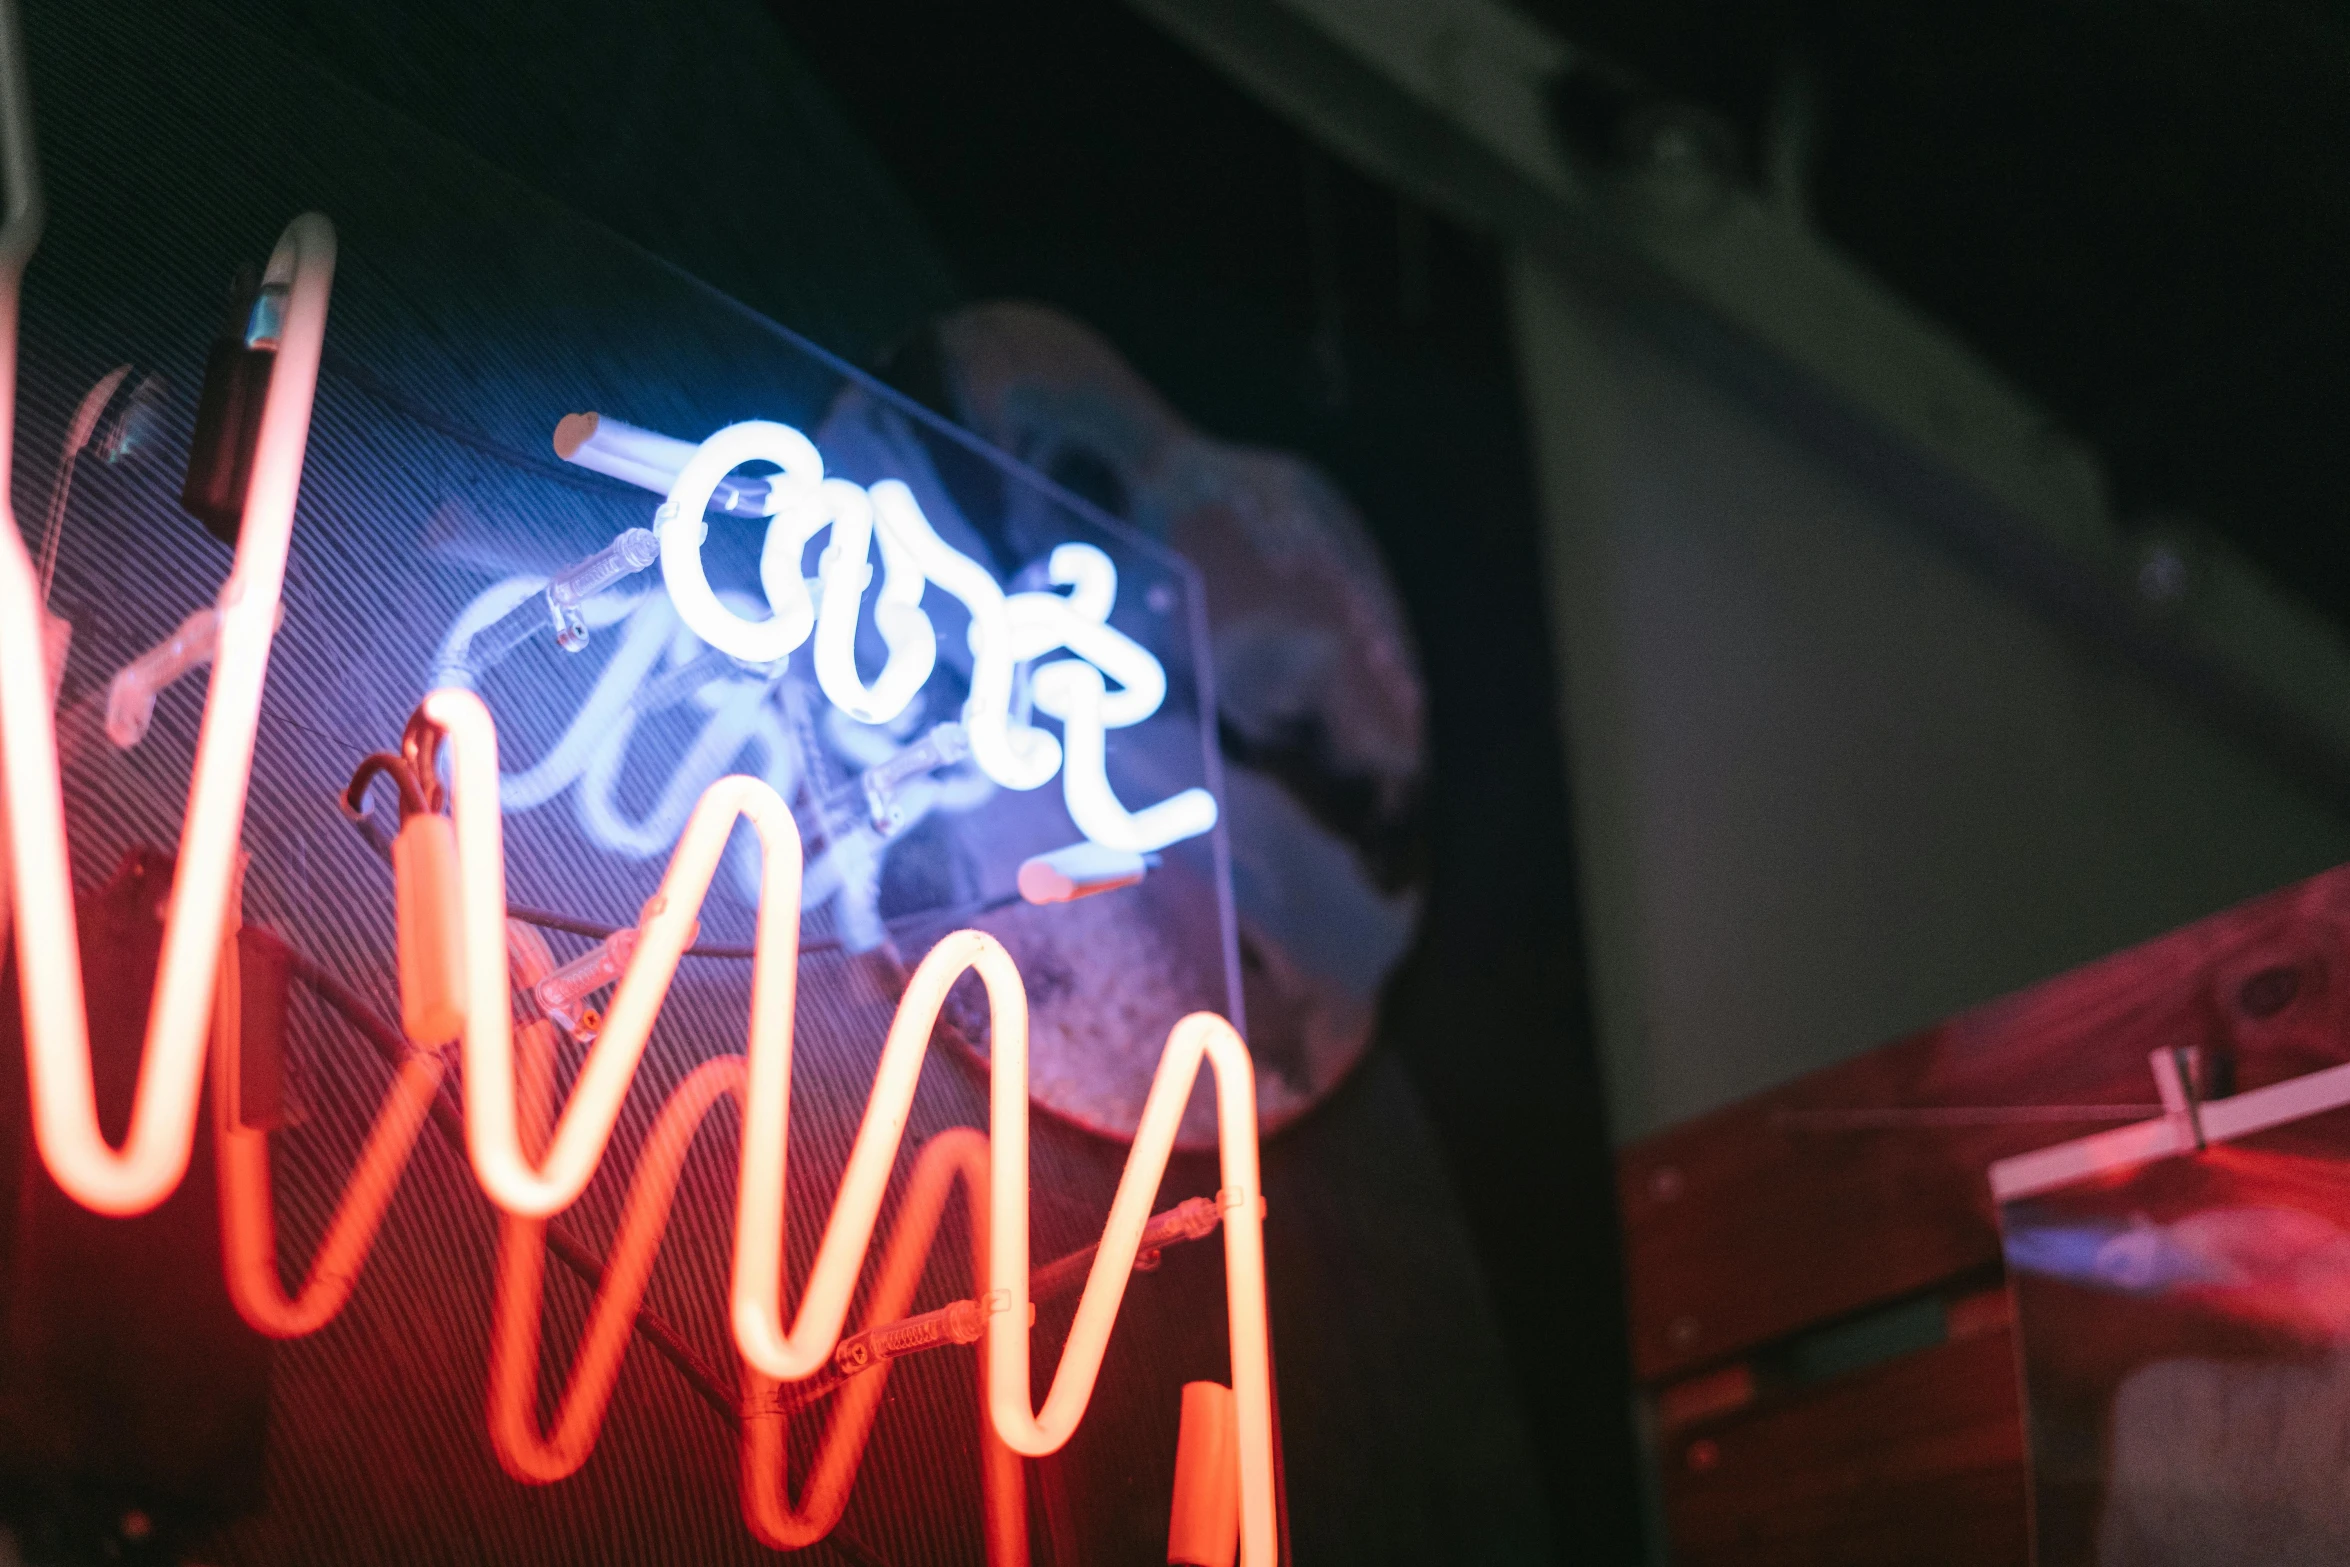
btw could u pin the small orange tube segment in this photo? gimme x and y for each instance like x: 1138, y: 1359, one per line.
x: 1203, y: 1530
x: 432, y: 958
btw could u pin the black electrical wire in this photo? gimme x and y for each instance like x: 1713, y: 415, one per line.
x: 382, y: 764
x: 548, y: 919
x: 415, y: 768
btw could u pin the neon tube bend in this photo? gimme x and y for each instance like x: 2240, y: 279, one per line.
x: 955, y: 1157
x: 154, y: 1155
x: 535, y: 1190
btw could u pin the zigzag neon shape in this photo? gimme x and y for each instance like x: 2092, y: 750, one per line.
x: 155, y: 1153
x: 249, y: 1253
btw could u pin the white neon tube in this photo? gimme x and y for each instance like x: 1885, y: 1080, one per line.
x: 650, y: 461
x: 679, y: 522
x: 1090, y: 576
x: 732, y: 724
x: 500, y: 619
x: 153, y: 1156
x: 1078, y: 621
x: 1071, y: 691
x: 897, y: 613
x: 651, y: 630
x: 601, y: 443
x: 1014, y: 755
x: 1127, y: 683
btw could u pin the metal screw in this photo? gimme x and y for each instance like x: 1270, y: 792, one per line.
x: 2270, y: 991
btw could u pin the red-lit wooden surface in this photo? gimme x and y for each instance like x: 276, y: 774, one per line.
x: 1919, y: 1460
x: 1858, y: 1188
x: 1759, y: 1220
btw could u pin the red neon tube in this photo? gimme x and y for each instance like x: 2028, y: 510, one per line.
x: 154, y: 1155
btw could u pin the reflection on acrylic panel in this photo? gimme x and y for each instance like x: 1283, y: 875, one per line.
x: 2185, y: 1335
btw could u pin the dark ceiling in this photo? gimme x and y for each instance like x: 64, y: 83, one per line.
x: 2134, y: 208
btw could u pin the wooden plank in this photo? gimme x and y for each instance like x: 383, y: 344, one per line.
x: 1916, y: 1461
x: 1788, y: 1210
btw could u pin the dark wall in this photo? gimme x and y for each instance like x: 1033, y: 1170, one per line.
x: 690, y: 129
x: 2135, y: 210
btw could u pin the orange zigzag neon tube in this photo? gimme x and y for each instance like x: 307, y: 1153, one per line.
x: 155, y: 1152
x: 248, y: 1248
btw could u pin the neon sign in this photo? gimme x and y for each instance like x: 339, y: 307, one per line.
x: 1012, y: 636
x: 531, y: 1178
x: 694, y: 642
